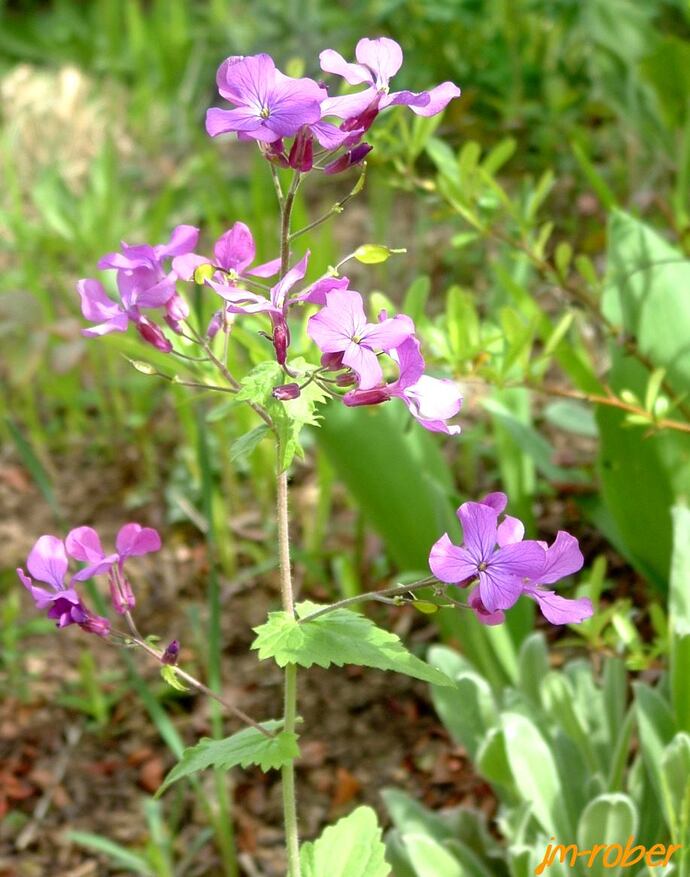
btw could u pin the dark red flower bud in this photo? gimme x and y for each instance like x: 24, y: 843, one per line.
x: 153, y: 335
x: 346, y: 379
x: 302, y: 153
x: 171, y: 653
x: 275, y: 153
x: 281, y: 342
x: 332, y: 361
x: 286, y: 392
x: 366, y: 397
x: 364, y: 120
x: 349, y: 159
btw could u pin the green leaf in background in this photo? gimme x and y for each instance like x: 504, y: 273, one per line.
x: 607, y: 819
x: 645, y: 294
x: 350, y: 848
x: 339, y: 637
x: 534, y: 771
x: 242, y: 447
x: 133, y: 862
x: 675, y: 772
x: 468, y: 710
x: 248, y: 746
x: 656, y: 729
x: 430, y: 858
x: 679, y: 616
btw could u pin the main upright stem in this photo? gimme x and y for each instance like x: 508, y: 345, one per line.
x: 283, y: 522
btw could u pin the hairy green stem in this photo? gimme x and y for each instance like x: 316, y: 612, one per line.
x: 287, y: 598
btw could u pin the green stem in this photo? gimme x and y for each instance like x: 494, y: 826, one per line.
x: 397, y: 591
x: 287, y: 598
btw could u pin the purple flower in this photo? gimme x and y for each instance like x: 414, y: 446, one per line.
x: 377, y: 62
x: 233, y: 254
x: 563, y: 558
x: 171, y: 653
x: 342, y: 327
x: 492, y: 553
x: 268, y: 104
x: 142, y: 282
x: 47, y: 563
x: 84, y: 544
x: 431, y: 401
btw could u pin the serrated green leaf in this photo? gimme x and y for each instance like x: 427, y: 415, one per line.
x: 257, y: 385
x: 246, y: 747
x: 339, y: 637
x: 173, y: 680
x: 242, y: 447
x: 350, y: 848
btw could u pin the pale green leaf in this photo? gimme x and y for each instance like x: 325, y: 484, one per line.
x: 169, y: 675
x: 339, y: 637
x: 350, y: 848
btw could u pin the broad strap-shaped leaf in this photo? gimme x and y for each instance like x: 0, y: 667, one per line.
x: 242, y: 749
x: 350, y: 848
x: 339, y: 637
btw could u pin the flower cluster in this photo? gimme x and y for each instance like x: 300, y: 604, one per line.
x: 48, y: 563
x: 270, y: 107
x: 505, y: 566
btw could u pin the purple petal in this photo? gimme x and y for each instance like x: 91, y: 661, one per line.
x: 333, y: 62
x: 479, y: 530
x: 285, y: 284
x: 229, y: 121
x: 410, y: 362
x: 348, y: 106
x: 497, y: 501
x: 95, y: 304
x: 182, y: 240
x: 266, y: 269
x: 185, y: 266
x: 138, y: 256
x: 47, y: 561
x: 559, y: 610
x: 290, y: 112
x: 84, y: 544
x: 336, y: 324
x: 235, y: 249
x: 145, y: 287
x: 365, y: 363
x: 383, y: 57
x: 317, y: 292
x: 498, y: 590
x: 450, y: 563
x: 434, y: 400
x: 562, y: 559
x: 439, y: 98
x: 133, y: 539
x: 510, y: 530
x: 522, y: 559
x: 247, y: 81
x: 118, y: 323
x: 474, y: 600
x: 329, y: 136
x: 388, y: 334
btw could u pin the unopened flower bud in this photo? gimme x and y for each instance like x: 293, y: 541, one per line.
x: 361, y: 123
x: 275, y: 153
x: 176, y: 311
x: 281, y: 341
x: 332, y: 361
x: 153, y: 335
x: 366, y: 397
x: 346, y: 379
x: 302, y: 153
x: 171, y: 653
x: 286, y: 392
x: 95, y: 624
x: 349, y: 159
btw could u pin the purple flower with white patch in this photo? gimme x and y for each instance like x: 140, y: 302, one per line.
x: 492, y: 553
x: 378, y: 61
x: 268, y: 104
x: 341, y: 327
x: 47, y: 564
x: 431, y: 401
x: 142, y: 282
x: 133, y: 540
